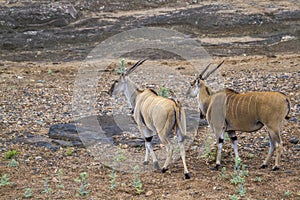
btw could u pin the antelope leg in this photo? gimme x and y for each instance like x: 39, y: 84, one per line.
x: 148, y: 138
x: 271, y: 151
x: 146, y: 161
x: 233, y: 138
x: 150, y: 148
x: 169, y: 148
x: 182, y: 154
x: 219, y: 151
x: 279, y: 148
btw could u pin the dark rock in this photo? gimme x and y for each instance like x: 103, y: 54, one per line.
x: 294, y: 140
x: 68, y: 143
x: 66, y: 132
x: 48, y: 145
x: 37, y: 140
x: 294, y: 119
x: 297, y: 147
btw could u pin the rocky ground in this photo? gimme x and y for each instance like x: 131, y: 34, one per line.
x: 43, y: 44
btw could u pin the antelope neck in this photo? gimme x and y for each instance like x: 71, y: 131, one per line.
x: 131, y: 92
x: 204, y: 98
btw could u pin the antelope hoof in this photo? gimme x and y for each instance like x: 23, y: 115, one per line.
x: 187, y: 176
x: 163, y: 170
x: 275, y: 168
x: 215, y: 168
x: 263, y: 166
x: 145, y: 162
x: 155, y: 165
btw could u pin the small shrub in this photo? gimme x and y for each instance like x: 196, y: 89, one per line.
x: 28, y: 193
x: 13, y: 163
x: 122, y: 66
x: 241, y: 190
x: 119, y: 157
x: 233, y: 197
x: 60, y: 174
x: 11, y: 154
x: 258, y: 179
x: 250, y: 155
x: 164, y: 92
x: 238, y: 177
x: 47, y: 188
x: 287, y: 193
x: 4, y: 180
x: 138, y: 185
x: 83, y: 181
x: 226, y: 137
x: 224, y: 175
x: 69, y: 151
x: 113, y: 182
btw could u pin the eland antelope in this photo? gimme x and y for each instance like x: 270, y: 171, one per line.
x: 154, y: 115
x: 229, y: 111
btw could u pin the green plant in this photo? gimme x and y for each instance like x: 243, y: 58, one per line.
x: 113, y: 183
x: 287, y: 193
x: 69, y: 151
x: 241, y: 190
x: 11, y: 154
x: 226, y: 137
x: 123, y: 184
x: 4, y: 180
x: 83, y: 182
x: 13, y: 163
x: 238, y: 174
x: 208, y: 154
x: 164, y: 92
x: 137, y: 184
x: 47, y: 188
x: 122, y: 66
x: 28, y: 193
x: 258, y: 179
x: 119, y: 157
x: 233, y: 197
x: 223, y: 174
x: 50, y: 72
x: 60, y: 174
x: 250, y: 155
x: 238, y: 177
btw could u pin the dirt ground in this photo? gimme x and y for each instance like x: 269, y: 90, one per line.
x: 32, y: 105
x: 37, y: 86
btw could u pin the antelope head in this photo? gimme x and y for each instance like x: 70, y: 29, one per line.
x: 199, y: 82
x: 198, y: 88
x: 119, y: 85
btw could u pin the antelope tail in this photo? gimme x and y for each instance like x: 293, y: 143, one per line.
x: 180, y: 120
x: 289, y: 108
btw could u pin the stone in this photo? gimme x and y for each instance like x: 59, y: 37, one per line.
x: 294, y: 140
x: 149, y: 193
x: 66, y: 132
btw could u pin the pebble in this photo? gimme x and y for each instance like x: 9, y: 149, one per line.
x: 149, y: 193
x: 294, y: 140
x: 38, y: 158
x: 297, y: 147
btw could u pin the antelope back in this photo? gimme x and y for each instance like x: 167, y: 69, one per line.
x: 156, y: 112
x: 250, y: 111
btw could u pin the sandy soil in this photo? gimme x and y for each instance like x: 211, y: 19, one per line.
x: 38, y: 93
x: 32, y: 105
